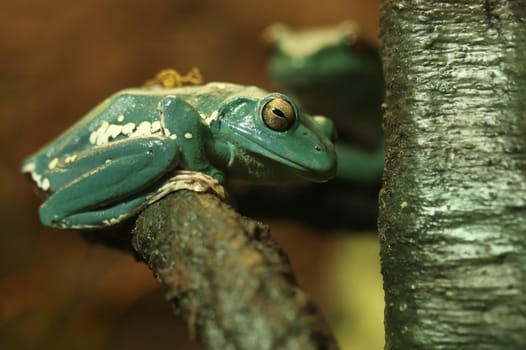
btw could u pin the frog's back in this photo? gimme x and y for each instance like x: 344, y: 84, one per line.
x: 129, y: 113
x: 117, y: 116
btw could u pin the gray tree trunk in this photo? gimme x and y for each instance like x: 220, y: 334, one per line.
x: 453, y: 204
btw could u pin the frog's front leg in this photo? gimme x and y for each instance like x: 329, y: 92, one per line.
x: 101, y: 186
x: 184, y: 125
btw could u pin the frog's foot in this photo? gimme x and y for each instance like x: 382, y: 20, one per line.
x: 356, y: 165
x: 100, y: 186
x: 189, y: 180
x: 218, y: 175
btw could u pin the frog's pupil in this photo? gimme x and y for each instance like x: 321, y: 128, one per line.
x: 279, y: 112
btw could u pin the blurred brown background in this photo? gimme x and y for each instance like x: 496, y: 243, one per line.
x: 60, y: 58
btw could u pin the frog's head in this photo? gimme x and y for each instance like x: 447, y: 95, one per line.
x: 271, y: 141
x: 301, y: 56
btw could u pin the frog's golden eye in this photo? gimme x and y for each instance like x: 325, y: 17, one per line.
x: 278, y: 114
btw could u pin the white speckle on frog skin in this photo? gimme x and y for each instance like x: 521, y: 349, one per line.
x: 211, y: 118
x: 143, y: 129
x: 113, y: 131
x: 107, y: 132
x: 188, y: 135
x: 97, y: 136
x: 120, y: 118
x: 113, y: 221
x: 173, y: 137
x: 70, y: 159
x: 93, y: 137
x: 156, y: 126
x: 45, y: 185
x: 52, y: 164
x: 42, y: 183
x: 29, y: 167
x: 102, y: 136
x: 127, y: 129
x: 36, y: 177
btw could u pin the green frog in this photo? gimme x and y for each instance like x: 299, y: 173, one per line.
x: 142, y: 143
x: 333, y: 71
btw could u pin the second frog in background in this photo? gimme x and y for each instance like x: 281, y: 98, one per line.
x: 331, y: 71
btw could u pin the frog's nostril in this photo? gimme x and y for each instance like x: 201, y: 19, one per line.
x: 317, y: 148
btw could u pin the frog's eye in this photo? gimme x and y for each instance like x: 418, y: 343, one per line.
x: 278, y: 114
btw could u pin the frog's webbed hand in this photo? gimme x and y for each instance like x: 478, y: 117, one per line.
x: 99, y: 186
x: 356, y: 165
x: 183, y: 124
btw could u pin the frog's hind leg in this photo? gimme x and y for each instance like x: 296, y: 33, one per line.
x: 103, y: 184
x: 105, y: 216
x: 178, y: 180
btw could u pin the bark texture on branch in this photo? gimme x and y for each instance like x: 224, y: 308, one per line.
x: 453, y: 205
x: 229, y: 282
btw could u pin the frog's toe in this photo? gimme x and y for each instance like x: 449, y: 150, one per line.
x: 50, y: 218
x: 216, y: 174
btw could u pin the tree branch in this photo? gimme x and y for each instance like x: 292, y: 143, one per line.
x: 229, y: 282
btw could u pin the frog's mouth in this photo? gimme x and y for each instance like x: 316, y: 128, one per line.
x: 307, y: 173
x: 322, y: 173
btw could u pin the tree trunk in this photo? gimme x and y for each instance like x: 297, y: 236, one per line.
x: 453, y: 204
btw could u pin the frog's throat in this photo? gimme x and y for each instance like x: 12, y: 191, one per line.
x: 302, y: 168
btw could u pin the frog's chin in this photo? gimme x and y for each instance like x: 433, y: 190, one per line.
x: 307, y: 174
x: 263, y: 154
x: 297, y: 171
